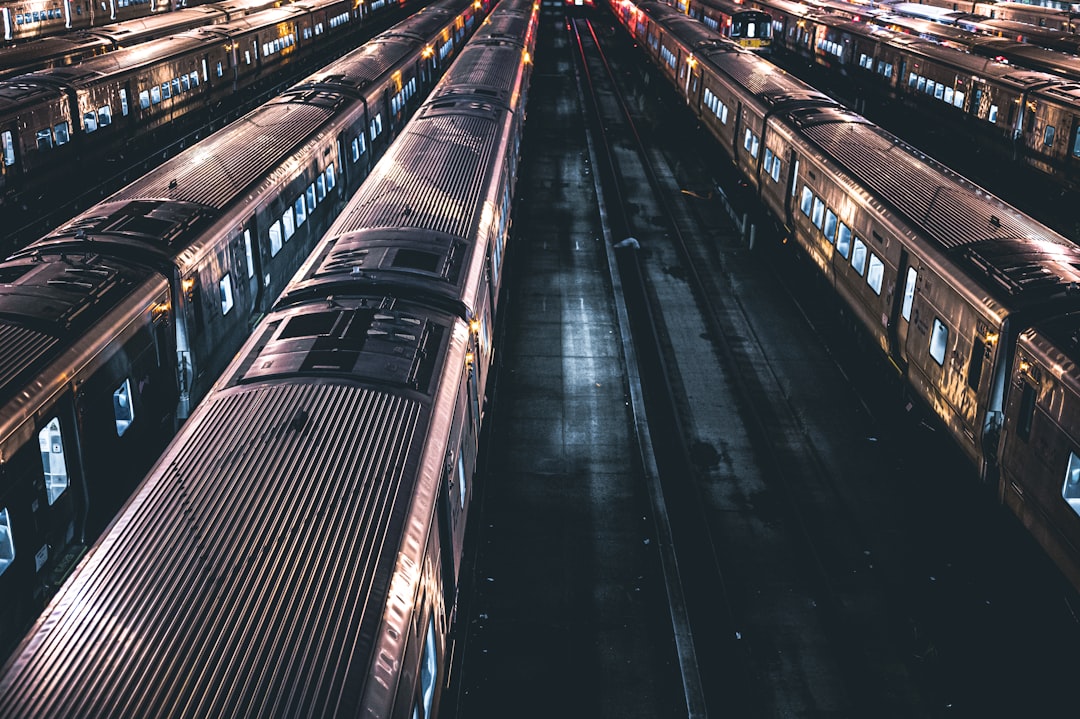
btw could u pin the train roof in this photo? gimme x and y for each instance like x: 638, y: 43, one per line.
x: 244, y: 533
x: 1056, y: 342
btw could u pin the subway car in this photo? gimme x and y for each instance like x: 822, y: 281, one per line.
x: 297, y: 549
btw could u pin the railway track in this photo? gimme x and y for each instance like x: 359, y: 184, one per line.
x: 807, y: 586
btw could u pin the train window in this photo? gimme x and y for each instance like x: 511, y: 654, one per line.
x: 220, y: 71
x: 90, y: 121
x: 922, y: 84
x: 301, y: 210
x: 61, y: 133
x: 144, y: 99
x: 830, y: 225
x: 865, y: 61
x: 958, y: 99
x: 818, y: 217
x: 844, y: 240
x: 806, y: 201
x: 247, y: 57
x: 275, y: 238
x: 320, y: 185
x: 428, y: 670
x: 225, y: 287
x: 992, y: 117
x: 461, y: 477
x: 166, y: 91
x: 376, y: 126
x: 858, y: 256
x: 331, y: 178
x: 155, y: 95
x: 185, y: 82
x: 104, y: 116
x: 288, y: 222
x: 53, y: 466
x: 1070, y: 491
x: 247, y: 254
x: 194, y: 79
x: 776, y: 169
x: 975, y: 362
x: 7, y: 541
x: 909, y: 293
x: 44, y: 139
x: 912, y: 80
x: 311, y: 202
x: 176, y: 86
x: 8, y: 147
x: 1048, y: 136
x: 939, y: 340
x: 123, y: 409
x: 875, y: 273
x: 1075, y: 148
x: 355, y: 147
x: 948, y: 96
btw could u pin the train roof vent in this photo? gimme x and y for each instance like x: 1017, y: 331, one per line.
x: 369, y: 343
x: 418, y: 260
x: 346, y: 259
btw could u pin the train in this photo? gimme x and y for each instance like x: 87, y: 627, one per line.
x: 297, y: 550
x: 115, y: 324
x: 70, y: 48
x: 975, y: 304
x: 1051, y: 14
x: 29, y: 19
x: 750, y: 27
x: 1028, y: 117
x: 129, y: 102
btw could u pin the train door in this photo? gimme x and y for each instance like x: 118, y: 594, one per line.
x: 900, y: 312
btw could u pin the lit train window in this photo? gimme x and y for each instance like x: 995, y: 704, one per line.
x: 948, y: 96
x: 185, y: 83
x: 939, y: 339
x: 320, y: 184
x: 818, y: 217
x: 51, y: 444
x: 858, y: 256
x: 90, y: 121
x: 331, y: 178
x: 44, y: 139
x: 104, y: 116
x: 248, y: 255
x: 1048, y: 136
x: 875, y: 273
x: 220, y: 71
x: 428, y: 670
x: 806, y: 200
x: 155, y: 95
x: 8, y: 147
x: 958, y: 99
x: 166, y: 91
x: 843, y: 240
x: 61, y: 133
x: 176, y: 86
x: 275, y: 238
x: 7, y: 542
x: 461, y: 477
x: 1075, y: 149
x: 830, y: 225
x: 123, y: 408
x: 225, y: 286
x: 992, y: 117
x: 311, y: 202
x: 144, y: 99
x: 123, y: 102
x: 301, y: 211
x: 288, y: 222
x: 909, y: 293
x: 1070, y: 492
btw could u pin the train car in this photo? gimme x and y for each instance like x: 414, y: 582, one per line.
x: 83, y: 116
x: 297, y: 550
x: 114, y: 325
x: 749, y: 27
x: 70, y: 48
x: 29, y: 19
x: 951, y: 284
x: 1027, y: 116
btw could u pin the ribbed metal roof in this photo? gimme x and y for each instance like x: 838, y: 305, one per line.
x: 275, y: 610
x: 934, y: 200
x: 21, y: 349
x: 415, y: 190
x: 213, y: 172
